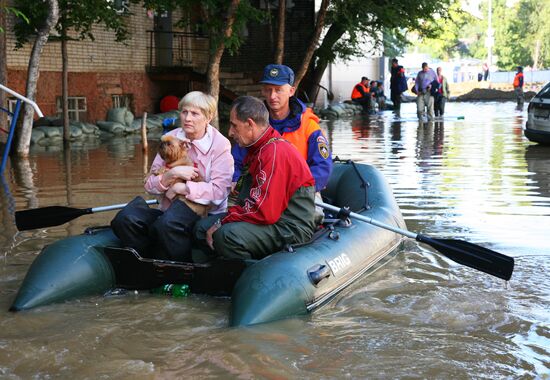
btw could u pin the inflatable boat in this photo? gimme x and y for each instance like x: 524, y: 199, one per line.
x: 294, y: 281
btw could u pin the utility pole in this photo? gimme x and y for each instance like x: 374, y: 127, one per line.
x: 490, y: 40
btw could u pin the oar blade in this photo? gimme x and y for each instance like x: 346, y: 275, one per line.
x: 473, y: 256
x: 46, y: 217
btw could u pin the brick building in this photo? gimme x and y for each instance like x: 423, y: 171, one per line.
x: 157, y: 60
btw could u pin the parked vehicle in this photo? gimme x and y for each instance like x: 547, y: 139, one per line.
x: 537, y: 128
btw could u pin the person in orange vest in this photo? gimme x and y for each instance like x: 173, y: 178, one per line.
x: 518, y: 87
x: 294, y: 121
x: 361, y: 94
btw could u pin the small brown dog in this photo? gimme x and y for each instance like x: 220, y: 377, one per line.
x: 174, y: 152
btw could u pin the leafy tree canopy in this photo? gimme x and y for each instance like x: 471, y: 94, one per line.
x: 521, y: 34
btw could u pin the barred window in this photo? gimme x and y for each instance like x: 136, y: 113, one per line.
x: 124, y: 100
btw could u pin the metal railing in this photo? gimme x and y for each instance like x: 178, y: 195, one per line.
x: 14, y: 116
x: 176, y: 49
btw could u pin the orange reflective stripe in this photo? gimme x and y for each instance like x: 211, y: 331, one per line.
x: 299, y: 137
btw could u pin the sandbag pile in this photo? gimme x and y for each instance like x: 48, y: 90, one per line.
x: 120, y: 121
x: 48, y: 130
x: 340, y: 111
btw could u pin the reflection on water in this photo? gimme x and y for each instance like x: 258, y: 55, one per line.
x: 419, y: 315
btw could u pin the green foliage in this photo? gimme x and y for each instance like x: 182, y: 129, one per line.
x: 395, y: 42
x: 447, y: 43
x: 524, y: 36
x: 521, y: 31
x: 16, y: 12
x: 76, y: 16
x: 213, y: 18
x: 355, y: 21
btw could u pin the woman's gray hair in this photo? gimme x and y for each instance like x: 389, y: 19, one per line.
x: 205, y: 102
x: 249, y: 107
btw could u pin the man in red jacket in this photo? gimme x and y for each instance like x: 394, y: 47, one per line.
x: 275, y: 205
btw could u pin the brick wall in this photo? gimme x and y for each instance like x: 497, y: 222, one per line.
x: 103, y: 54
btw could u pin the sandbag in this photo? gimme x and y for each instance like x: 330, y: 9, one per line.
x: 117, y: 114
x: 75, y: 132
x: 112, y: 127
x: 154, y: 122
x: 136, y: 124
x: 90, y: 129
x: 52, y: 131
x: 37, y: 134
x: 128, y: 118
x: 133, y: 127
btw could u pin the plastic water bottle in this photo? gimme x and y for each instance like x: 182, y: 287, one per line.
x: 174, y: 290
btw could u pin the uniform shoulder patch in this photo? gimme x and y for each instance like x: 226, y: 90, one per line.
x: 322, y: 146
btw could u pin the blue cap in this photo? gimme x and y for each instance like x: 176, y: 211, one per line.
x: 278, y: 75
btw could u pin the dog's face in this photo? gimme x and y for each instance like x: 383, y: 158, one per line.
x: 172, y: 149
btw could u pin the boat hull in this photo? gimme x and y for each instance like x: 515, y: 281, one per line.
x: 288, y: 283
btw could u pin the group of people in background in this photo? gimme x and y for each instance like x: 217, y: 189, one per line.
x: 432, y: 92
x: 370, y: 95
x: 431, y: 89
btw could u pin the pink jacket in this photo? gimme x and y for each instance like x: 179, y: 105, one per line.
x: 212, y: 156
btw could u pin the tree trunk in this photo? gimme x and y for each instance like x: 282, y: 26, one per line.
x: 313, y: 43
x: 269, y: 27
x: 24, y: 136
x: 3, y: 65
x: 334, y: 33
x: 65, y: 85
x: 213, y: 70
x: 280, y: 49
x: 536, y: 55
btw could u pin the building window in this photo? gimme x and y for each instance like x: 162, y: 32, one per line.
x: 77, y: 107
x: 124, y: 100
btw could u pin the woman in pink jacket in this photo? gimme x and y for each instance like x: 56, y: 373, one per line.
x: 165, y: 233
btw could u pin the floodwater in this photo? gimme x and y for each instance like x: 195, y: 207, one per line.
x: 418, y: 316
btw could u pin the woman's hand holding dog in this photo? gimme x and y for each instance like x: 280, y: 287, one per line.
x: 178, y: 188
x: 184, y: 173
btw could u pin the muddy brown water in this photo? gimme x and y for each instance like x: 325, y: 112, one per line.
x: 418, y: 316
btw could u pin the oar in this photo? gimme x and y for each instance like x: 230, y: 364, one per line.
x: 56, y: 215
x: 463, y: 252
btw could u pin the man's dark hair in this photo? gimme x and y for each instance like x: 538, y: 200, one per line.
x: 249, y: 107
x: 424, y: 64
x: 364, y: 78
x: 394, y: 60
